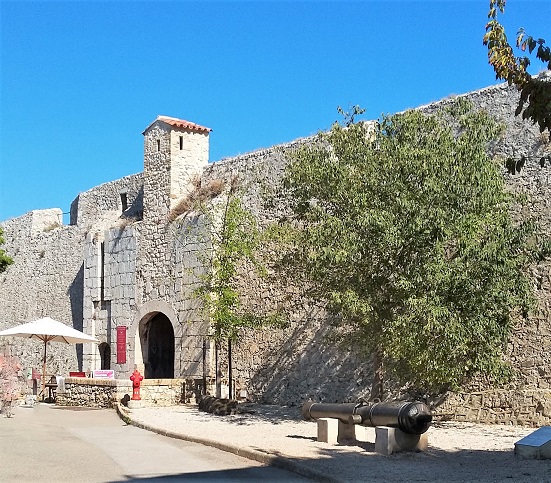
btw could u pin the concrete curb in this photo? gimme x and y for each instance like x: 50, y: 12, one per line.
x: 278, y: 461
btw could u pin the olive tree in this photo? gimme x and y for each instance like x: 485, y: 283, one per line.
x: 403, y: 228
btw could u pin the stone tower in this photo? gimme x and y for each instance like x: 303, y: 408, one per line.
x: 175, y: 151
x: 175, y: 154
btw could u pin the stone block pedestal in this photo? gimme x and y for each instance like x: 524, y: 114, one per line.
x: 387, y: 440
x: 132, y: 404
x: 393, y: 440
x: 536, y: 445
x: 353, y: 432
x: 328, y: 430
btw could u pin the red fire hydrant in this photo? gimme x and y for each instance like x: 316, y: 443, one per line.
x: 136, y: 379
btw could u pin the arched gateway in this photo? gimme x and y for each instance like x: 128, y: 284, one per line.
x: 158, y: 335
x: 155, y: 341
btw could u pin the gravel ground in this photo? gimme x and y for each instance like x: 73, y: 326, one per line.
x: 457, y: 452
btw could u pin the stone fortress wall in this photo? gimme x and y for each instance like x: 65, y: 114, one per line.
x: 45, y: 280
x: 121, y: 262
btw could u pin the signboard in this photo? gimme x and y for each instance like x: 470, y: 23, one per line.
x: 121, y: 344
x: 536, y: 445
x: 537, y: 438
x: 104, y: 374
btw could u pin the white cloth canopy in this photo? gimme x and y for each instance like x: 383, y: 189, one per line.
x: 46, y: 330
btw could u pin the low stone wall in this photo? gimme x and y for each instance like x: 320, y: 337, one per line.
x: 530, y: 407
x: 106, y: 393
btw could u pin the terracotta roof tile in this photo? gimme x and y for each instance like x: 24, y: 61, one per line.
x: 183, y: 124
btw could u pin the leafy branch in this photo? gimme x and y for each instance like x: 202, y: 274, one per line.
x: 535, y: 92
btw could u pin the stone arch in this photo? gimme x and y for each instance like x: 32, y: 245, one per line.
x: 153, y: 331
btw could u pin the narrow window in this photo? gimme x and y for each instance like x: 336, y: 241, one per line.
x: 102, y: 271
x: 181, y: 142
x: 158, y: 144
x: 124, y: 202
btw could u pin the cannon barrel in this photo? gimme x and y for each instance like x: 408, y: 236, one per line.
x: 410, y: 417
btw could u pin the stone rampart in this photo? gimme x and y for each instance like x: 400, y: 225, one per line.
x: 47, y: 277
x: 44, y: 280
x: 151, y: 266
x: 107, y: 202
x: 300, y: 362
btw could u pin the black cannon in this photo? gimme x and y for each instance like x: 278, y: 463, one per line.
x: 410, y: 417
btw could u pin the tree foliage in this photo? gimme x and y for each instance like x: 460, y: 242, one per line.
x: 233, y: 243
x: 404, y: 229
x: 535, y: 92
x: 5, y: 260
x: 229, y: 251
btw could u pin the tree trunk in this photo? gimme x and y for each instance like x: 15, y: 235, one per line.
x: 204, y: 389
x: 377, y: 385
x: 217, y: 370
x: 230, y: 372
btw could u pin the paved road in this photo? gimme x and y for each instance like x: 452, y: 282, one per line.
x: 51, y: 444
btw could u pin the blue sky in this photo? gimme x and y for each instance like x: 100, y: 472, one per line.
x: 81, y: 80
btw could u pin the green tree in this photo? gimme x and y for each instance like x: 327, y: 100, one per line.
x: 535, y: 92
x: 234, y: 238
x: 403, y: 229
x: 5, y: 260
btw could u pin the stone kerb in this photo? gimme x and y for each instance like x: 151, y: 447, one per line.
x: 106, y: 393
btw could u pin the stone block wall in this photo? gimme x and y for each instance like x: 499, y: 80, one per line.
x: 106, y: 393
x: 104, y: 204
x: 292, y: 365
x: 86, y: 392
x: 527, y: 407
x: 48, y: 274
x: 45, y: 280
x: 110, y: 286
x: 152, y: 266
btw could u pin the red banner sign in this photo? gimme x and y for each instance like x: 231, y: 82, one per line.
x: 121, y: 344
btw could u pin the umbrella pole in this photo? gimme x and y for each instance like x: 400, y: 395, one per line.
x: 44, y: 370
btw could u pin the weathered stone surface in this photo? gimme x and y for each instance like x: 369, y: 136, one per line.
x: 103, y: 393
x: 124, y: 259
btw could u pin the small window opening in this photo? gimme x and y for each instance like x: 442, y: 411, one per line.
x: 158, y: 144
x: 124, y: 202
x: 181, y: 142
x: 102, y: 271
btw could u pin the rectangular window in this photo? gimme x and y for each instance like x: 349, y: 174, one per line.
x: 181, y: 142
x: 124, y: 202
x: 102, y: 271
x: 158, y: 144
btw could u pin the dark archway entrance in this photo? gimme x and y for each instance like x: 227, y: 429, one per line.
x: 105, y: 355
x: 158, y: 336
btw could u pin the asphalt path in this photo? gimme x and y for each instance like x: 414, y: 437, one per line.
x: 53, y: 444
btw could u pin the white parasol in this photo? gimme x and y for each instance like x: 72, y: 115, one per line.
x: 47, y: 330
